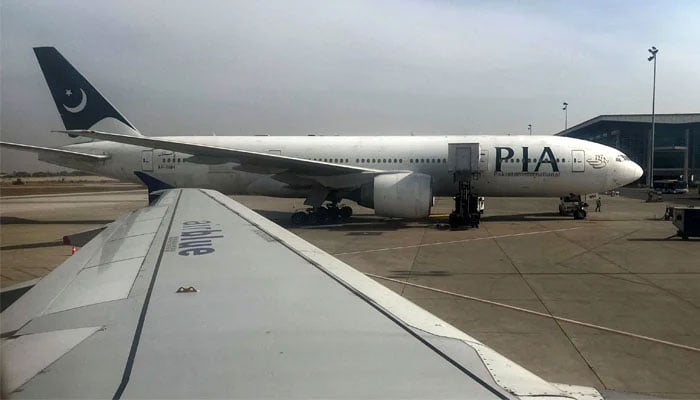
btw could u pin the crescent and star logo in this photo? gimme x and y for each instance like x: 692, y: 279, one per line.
x: 598, y: 161
x: 80, y: 106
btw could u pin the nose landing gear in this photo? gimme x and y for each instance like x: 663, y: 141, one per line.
x: 321, y: 215
x: 573, y: 204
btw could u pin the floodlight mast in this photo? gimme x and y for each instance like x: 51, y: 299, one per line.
x: 650, y: 177
x: 566, y: 114
x: 529, y: 128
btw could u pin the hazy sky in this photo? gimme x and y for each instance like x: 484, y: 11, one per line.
x: 348, y: 67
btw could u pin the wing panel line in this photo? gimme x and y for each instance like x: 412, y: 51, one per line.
x: 142, y: 318
x: 372, y: 304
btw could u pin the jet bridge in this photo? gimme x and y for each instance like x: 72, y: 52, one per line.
x: 466, y: 162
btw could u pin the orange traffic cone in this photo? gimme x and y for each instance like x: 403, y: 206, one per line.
x: 73, y: 250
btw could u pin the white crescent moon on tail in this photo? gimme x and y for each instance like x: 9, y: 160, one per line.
x: 79, y: 107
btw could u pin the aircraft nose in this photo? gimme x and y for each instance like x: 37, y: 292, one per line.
x: 637, y: 171
x: 626, y: 173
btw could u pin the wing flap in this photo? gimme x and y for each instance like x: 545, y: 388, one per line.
x: 128, y: 238
x: 18, y: 367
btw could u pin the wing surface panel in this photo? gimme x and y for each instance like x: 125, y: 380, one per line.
x: 109, y: 296
x: 260, y: 313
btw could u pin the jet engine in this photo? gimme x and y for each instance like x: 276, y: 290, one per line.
x: 400, y: 195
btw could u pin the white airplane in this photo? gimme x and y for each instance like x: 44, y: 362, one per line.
x: 397, y: 176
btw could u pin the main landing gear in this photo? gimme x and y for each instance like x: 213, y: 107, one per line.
x: 321, y: 215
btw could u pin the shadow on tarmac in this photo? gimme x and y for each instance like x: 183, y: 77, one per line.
x: 674, y: 238
x: 543, y: 216
x: 407, y: 273
x: 17, y: 220
x: 52, y: 243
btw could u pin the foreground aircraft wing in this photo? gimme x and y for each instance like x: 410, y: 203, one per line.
x: 55, y: 152
x: 206, y: 154
x: 198, y: 296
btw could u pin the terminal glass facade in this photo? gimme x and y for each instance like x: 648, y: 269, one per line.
x: 677, y: 142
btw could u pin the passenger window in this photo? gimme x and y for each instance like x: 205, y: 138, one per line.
x: 400, y: 160
x: 410, y: 161
x: 564, y: 160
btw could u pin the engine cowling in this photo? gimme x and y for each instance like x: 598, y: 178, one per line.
x: 400, y: 195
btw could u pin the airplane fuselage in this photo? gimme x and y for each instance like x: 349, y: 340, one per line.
x: 509, y: 165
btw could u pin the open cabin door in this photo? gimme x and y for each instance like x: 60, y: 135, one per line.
x: 466, y: 160
x: 577, y: 163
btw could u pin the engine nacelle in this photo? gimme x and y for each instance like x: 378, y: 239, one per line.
x: 400, y: 195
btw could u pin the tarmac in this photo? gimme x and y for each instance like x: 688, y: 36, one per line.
x: 616, y: 272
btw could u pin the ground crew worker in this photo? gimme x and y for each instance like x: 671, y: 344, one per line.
x: 598, y: 202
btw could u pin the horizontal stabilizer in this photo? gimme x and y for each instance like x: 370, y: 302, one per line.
x: 60, y: 152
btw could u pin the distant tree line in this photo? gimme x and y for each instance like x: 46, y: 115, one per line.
x: 43, y: 174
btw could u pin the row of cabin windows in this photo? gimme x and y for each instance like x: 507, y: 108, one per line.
x: 167, y: 160
x: 384, y: 160
x: 357, y: 160
x: 532, y: 160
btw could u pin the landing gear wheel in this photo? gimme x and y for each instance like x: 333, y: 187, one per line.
x: 333, y: 213
x: 345, y: 212
x: 319, y: 216
x: 300, y: 218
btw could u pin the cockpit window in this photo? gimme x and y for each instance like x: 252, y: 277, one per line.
x: 621, y: 158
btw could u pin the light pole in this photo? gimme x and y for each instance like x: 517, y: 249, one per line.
x: 529, y: 128
x: 650, y: 178
x: 566, y: 114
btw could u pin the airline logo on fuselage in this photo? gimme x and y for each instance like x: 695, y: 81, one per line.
x: 546, y: 164
x: 598, y: 161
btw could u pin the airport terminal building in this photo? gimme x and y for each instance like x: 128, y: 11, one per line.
x: 676, y: 143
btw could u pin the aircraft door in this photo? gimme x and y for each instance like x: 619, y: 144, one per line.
x: 577, y: 157
x: 465, y: 159
x: 147, y: 160
x: 483, y: 160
